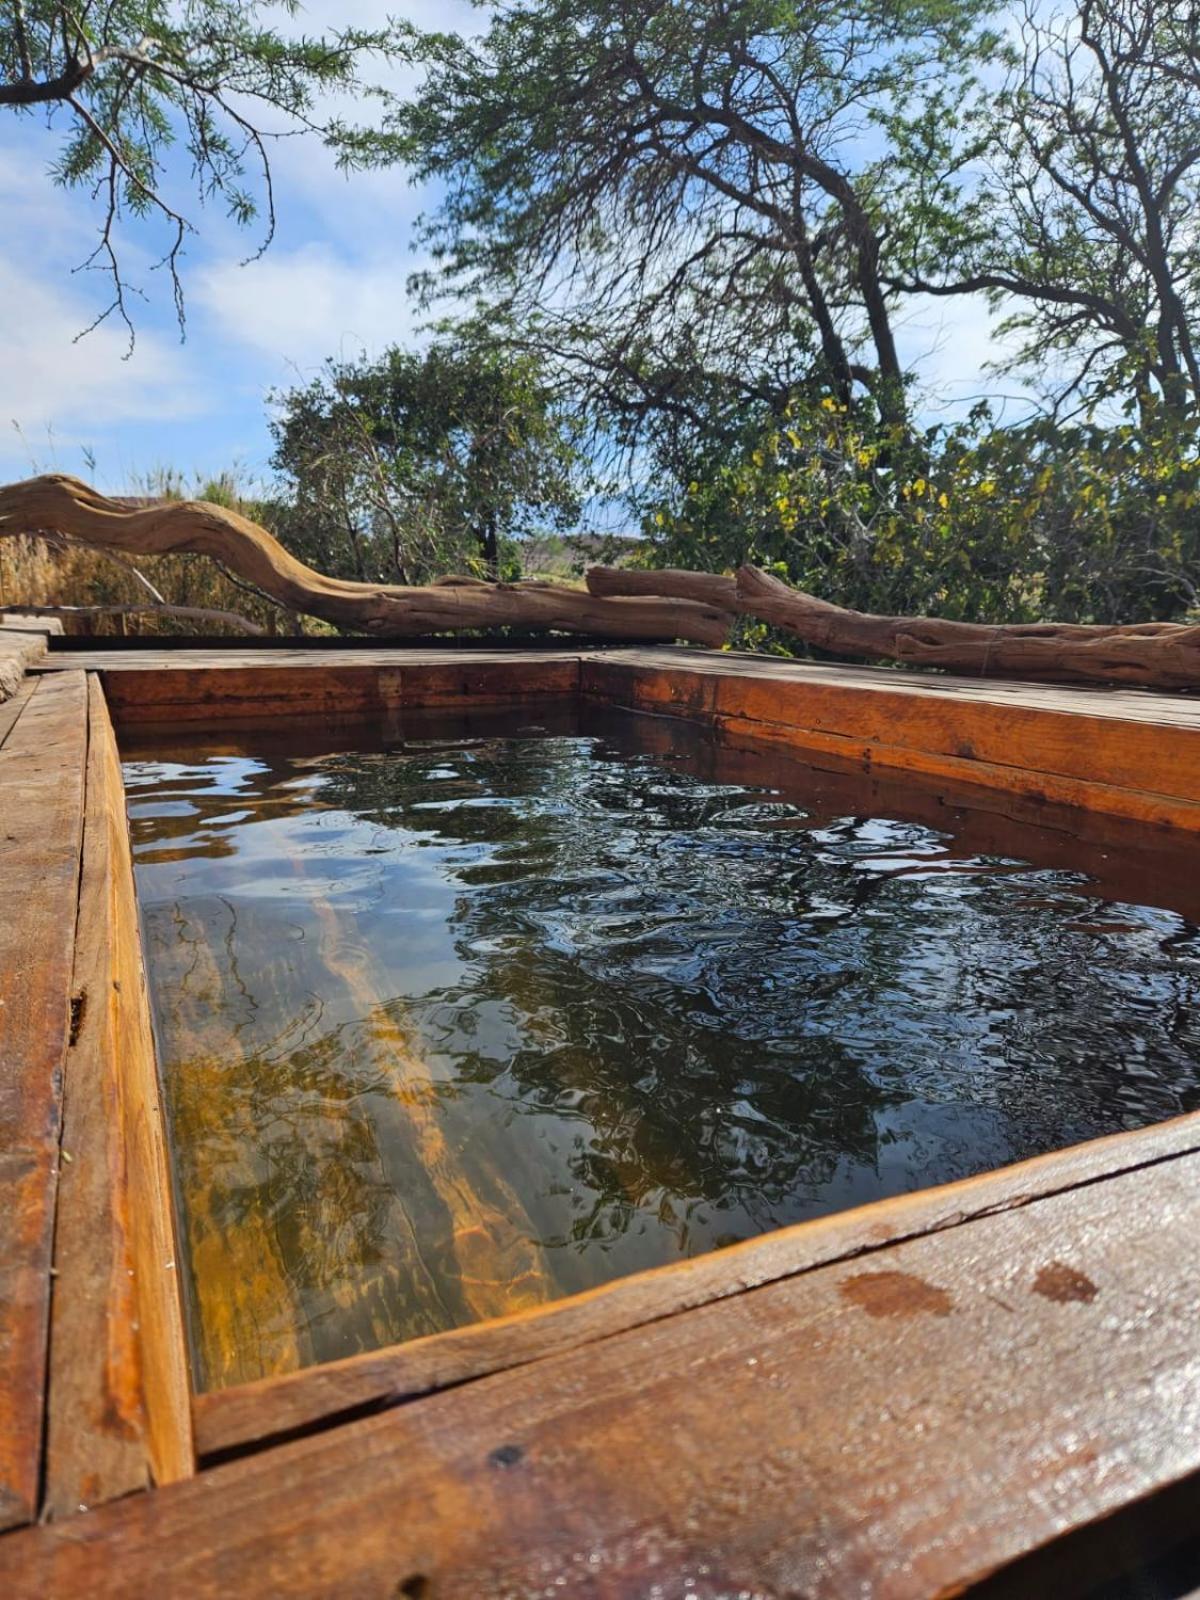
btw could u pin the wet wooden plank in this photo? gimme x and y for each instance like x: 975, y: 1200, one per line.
x: 152, y: 1233
x: 1120, y: 703
x: 119, y: 1404
x: 254, y: 1414
x: 899, y: 1426
x: 1116, y: 703
x: 1143, y: 769
x: 41, y: 820
x: 256, y: 691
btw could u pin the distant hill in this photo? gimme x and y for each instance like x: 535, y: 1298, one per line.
x: 568, y: 555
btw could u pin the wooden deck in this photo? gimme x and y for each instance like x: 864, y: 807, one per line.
x: 908, y: 1399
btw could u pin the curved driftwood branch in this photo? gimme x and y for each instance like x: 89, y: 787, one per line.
x: 1159, y: 655
x: 57, y: 503
x: 1156, y: 655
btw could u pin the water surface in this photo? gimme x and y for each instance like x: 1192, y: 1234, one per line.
x: 459, y: 1026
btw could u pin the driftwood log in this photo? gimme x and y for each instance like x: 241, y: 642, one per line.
x: 668, y: 604
x: 1154, y: 655
x: 56, y: 503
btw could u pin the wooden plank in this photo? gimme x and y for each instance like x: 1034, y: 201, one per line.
x: 277, y: 1274
x: 12, y: 708
x: 41, y: 821
x: 1143, y: 770
x: 256, y: 1413
x: 165, y: 1384
x: 119, y: 1405
x: 1121, y: 704
x: 18, y: 652
x: 1117, y: 704
x: 899, y: 1427
x: 94, y: 1427
x: 177, y: 655
x: 256, y: 691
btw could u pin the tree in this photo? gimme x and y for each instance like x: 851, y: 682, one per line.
x: 133, y: 80
x: 695, y: 179
x: 1076, y: 211
x: 402, y: 468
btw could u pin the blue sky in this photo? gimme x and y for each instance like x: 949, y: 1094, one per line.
x: 332, y: 283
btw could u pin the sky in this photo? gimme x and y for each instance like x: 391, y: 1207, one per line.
x: 333, y: 283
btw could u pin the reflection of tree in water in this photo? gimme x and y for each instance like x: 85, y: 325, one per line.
x: 680, y: 1012
x: 739, y: 1005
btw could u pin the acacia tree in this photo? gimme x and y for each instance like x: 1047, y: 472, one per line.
x: 403, y: 468
x: 686, y: 177
x: 130, y: 82
x: 1074, y: 204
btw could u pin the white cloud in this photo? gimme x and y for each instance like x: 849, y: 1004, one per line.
x: 950, y: 343
x: 297, y: 307
x: 47, y: 381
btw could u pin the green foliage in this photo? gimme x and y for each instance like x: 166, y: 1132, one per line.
x: 1067, y: 194
x: 144, y: 89
x: 421, y: 463
x: 697, y: 181
x: 977, y: 522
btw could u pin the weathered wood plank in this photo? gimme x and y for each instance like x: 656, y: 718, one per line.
x: 1117, y: 704
x: 257, y: 691
x: 152, y: 1233
x: 254, y: 1414
x: 22, y: 644
x: 41, y: 821
x: 95, y: 1446
x: 119, y: 1405
x: 900, y: 1426
x: 1144, y: 770
x: 12, y: 708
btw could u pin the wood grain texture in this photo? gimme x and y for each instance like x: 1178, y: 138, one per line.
x: 96, y: 1445
x: 22, y: 643
x: 1162, y: 655
x: 713, y: 589
x: 256, y: 691
x: 254, y: 1414
x: 899, y: 1427
x: 57, y: 503
x: 12, y: 708
x: 151, y: 1226
x: 41, y: 821
x: 1144, y: 767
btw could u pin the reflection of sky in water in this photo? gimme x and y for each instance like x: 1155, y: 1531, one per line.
x: 646, y: 1013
